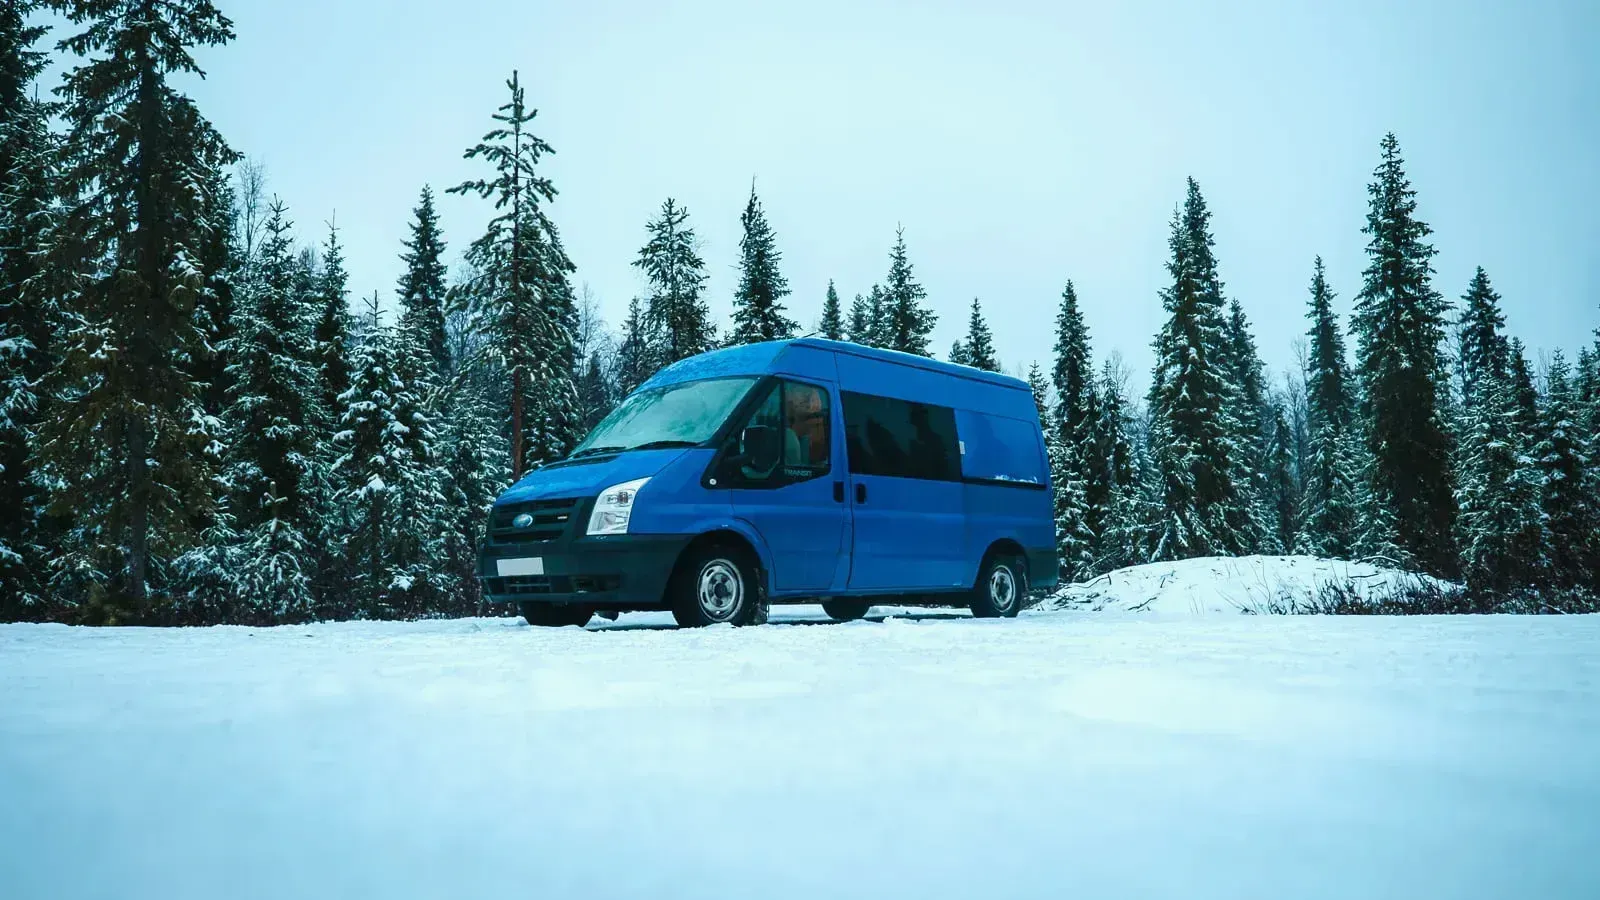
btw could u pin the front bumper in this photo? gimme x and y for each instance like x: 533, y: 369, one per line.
x: 624, y: 571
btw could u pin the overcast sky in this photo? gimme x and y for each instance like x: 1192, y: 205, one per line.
x: 1020, y: 144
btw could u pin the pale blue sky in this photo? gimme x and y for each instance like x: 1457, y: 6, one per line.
x: 1019, y: 143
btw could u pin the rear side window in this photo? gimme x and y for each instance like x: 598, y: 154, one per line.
x: 901, y: 438
x: 998, y: 449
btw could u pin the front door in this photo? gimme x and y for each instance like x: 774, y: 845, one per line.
x: 781, y: 474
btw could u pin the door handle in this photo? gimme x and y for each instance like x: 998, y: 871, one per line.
x: 838, y: 492
x: 861, y: 492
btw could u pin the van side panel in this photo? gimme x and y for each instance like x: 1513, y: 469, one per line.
x: 1007, y: 487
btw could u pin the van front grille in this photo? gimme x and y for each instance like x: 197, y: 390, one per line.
x: 550, y: 520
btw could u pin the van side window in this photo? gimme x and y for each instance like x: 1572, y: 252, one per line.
x: 797, y: 417
x: 901, y: 438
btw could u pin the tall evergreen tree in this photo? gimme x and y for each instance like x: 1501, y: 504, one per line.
x: 860, y: 328
x: 758, y: 314
x: 1250, y: 411
x: 126, y: 428
x: 25, y: 316
x: 1399, y: 325
x: 831, y: 325
x: 1524, y: 397
x: 521, y: 281
x: 980, y: 341
x: 636, y: 356
x: 1570, y: 485
x: 270, y: 416
x: 878, y: 312
x: 1077, y: 411
x: 1118, y: 531
x: 676, y: 316
x: 330, y: 335
x: 422, y: 286
x: 1194, y: 437
x: 906, y: 323
x: 1329, y: 514
x: 1500, y: 522
x: 1281, y: 500
x: 1485, y: 354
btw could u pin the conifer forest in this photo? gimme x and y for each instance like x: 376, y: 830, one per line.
x: 201, y: 422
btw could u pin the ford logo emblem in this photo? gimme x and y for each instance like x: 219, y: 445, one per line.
x: 523, y: 520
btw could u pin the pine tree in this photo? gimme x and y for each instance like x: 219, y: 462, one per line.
x: 1500, y: 522
x: 521, y: 282
x: 860, y: 328
x: 1485, y: 354
x: 877, y: 318
x: 1570, y: 486
x: 1118, y: 528
x: 832, y: 324
x: 1399, y: 323
x: 126, y: 430
x: 959, y: 354
x: 757, y: 312
x: 1524, y: 397
x: 636, y: 356
x: 1074, y: 544
x: 1329, y: 509
x: 1074, y: 373
x: 330, y: 336
x: 980, y: 341
x: 677, y: 318
x: 272, y: 498
x: 421, y: 291
x: 906, y: 323
x: 1281, y: 499
x: 1253, y: 464
x: 26, y: 318
x: 473, y: 472
x: 1194, y: 437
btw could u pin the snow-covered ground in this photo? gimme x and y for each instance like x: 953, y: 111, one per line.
x: 1227, y: 585
x: 1054, y: 755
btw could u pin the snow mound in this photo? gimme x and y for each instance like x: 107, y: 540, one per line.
x: 1210, y: 585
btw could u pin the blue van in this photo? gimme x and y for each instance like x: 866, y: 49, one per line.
x: 786, y: 472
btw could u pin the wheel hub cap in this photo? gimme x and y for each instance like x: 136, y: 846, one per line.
x: 720, y: 588
x: 1002, y: 588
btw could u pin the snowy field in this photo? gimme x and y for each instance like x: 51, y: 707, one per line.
x: 1057, y: 755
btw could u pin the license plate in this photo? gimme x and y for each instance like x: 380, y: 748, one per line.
x: 529, y: 565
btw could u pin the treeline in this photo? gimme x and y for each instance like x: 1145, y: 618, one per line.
x: 198, y: 425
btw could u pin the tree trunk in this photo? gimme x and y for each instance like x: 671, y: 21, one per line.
x: 516, y: 426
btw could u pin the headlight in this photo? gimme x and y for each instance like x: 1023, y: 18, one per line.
x: 614, y: 507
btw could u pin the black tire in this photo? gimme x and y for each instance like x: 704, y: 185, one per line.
x: 717, y: 584
x: 846, y: 610
x: 555, y: 615
x: 1002, y: 587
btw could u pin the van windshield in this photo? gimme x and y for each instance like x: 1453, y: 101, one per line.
x: 678, y: 415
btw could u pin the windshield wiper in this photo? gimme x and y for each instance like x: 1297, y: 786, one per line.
x: 595, y: 451
x: 663, y: 445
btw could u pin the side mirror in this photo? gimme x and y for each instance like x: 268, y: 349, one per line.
x: 760, y: 447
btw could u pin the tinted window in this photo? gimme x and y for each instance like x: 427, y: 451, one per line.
x: 900, y: 438
x: 798, y: 414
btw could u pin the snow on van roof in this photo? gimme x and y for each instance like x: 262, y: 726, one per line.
x: 751, y: 359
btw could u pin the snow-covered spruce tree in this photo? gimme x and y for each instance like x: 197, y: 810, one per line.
x: 1524, y: 396
x: 831, y: 326
x: 1570, y: 486
x: 125, y: 434
x: 473, y: 467
x: 272, y: 437
x: 1111, y: 457
x: 26, y: 317
x: 677, y: 318
x: 1194, y: 436
x: 385, y: 481
x: 758, y: 311
x: 1500, y: 521
x: 906, y: 323
x: 1484, y: 353
x: 980, y: 341
x: 1255, y: 428
x: 1586, y: 394
x: 1074, y: 545
x: 859, y: 330
x: 878, y: 313
x: 636, y: 355
x: 1329, y: 515
x: 1399, y: 325
x: 330, y: 335
x: 1078, y: 413
x: 1281, y: 498
x: 421, y: 290
x: 520, y: 284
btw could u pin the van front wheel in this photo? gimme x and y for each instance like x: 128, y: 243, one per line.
x: 717, y: 584
x: 1001, y: 583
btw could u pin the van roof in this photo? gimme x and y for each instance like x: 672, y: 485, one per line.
x: 755, y: 359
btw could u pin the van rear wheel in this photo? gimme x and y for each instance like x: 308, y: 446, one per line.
x: 717, y: 584
x: 845, y: 610
x: 1002, y: 582
x: 555, y: 615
